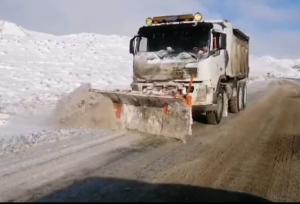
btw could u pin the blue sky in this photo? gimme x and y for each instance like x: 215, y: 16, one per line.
x: 273, y: 25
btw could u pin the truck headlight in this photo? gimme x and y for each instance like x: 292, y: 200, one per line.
x: 148, y: 21
x: 198, y: 17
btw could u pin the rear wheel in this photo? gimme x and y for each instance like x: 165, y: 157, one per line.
x: 240, y: 96
x: 215, y: 116
x: 236, y: 103
x: 244, y: 96
x: 233, y: 103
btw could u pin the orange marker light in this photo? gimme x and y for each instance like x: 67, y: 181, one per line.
x: 189, y: 100
x: 118, y: 110
x: 166, y: 109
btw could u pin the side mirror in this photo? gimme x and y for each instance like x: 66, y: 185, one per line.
x: 133, y: 44
x: 218, y: 41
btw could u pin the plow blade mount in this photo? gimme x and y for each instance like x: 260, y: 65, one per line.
x: 159, y: 115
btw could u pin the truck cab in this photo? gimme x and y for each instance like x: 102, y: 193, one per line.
x: 187, y: 56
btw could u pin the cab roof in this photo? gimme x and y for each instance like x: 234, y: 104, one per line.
x: 204, y: 25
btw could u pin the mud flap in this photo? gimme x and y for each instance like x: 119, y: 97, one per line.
x: 157, y: 115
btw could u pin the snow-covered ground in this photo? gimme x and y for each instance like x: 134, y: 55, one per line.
x: 269, y: 67
x: 36, y: 69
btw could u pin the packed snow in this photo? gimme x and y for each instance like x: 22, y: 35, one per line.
x: 37, y: 69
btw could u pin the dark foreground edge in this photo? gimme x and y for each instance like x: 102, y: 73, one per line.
x: 120, y: 190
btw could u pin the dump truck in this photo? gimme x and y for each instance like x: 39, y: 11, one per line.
x: 184, y: 69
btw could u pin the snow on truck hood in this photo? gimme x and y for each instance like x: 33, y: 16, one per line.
x: 162, y: 65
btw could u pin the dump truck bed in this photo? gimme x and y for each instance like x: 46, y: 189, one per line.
x: 239, y: 55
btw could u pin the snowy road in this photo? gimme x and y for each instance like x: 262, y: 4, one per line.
x: 261, y: 157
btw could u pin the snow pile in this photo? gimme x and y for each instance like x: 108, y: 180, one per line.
x: 85, y: 109
x: 7, y: 28
x: 270, y: 67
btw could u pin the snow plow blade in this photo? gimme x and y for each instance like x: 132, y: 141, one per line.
x: 154, y: 114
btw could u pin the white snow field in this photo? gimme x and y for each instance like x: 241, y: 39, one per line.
x: 269, y: 67
x: 36, y: 69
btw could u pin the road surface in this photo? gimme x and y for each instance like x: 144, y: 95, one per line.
x: 253, y: 156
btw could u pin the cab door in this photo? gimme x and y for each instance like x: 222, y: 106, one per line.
x: 219, y: 56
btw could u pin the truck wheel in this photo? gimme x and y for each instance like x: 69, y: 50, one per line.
x: 240, y: 96
x: 244, y: 96
x: 233, y: 103
x: 215, y: 117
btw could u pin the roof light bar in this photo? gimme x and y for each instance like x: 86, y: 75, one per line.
x: 197, y: 17
x: 149, y: 21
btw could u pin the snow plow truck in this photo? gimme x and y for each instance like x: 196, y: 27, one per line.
x: 183, y: 68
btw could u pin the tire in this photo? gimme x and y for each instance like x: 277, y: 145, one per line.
x: 215, y: 117
x: 233, y: 104
x: 240, y: 96
x: 245, y: 96
x: 236, y: 102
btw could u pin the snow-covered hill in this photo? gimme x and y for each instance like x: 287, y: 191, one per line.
x: 36, y: 68
x: 11, y: 29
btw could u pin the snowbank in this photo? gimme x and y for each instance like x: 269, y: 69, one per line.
x: 8, y: 28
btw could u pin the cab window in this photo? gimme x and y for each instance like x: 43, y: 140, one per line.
x: 219, y: 41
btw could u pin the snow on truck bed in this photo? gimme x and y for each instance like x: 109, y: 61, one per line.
x: 36, y: 69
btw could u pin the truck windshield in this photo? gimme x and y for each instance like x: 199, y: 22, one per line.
x: 179, y: 37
